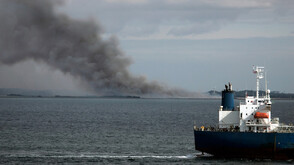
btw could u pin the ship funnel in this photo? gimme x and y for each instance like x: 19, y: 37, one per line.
x: 228, y: 98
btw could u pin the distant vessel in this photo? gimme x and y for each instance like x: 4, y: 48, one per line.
x: 247, y: 130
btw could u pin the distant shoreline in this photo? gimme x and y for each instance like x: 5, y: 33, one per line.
x: 210, y: 95
x: 241, y: 94
x: 129, y: 97
x: 275, y: 98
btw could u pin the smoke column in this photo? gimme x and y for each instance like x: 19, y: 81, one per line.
x: 32, y: 30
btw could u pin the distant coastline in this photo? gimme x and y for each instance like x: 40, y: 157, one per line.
x: 242, y: 94
x: 25, y: 93
x: 58, y: 96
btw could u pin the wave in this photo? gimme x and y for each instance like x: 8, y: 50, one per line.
x: 189, y: 156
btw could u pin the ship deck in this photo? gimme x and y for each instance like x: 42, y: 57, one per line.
x: 280, y: 129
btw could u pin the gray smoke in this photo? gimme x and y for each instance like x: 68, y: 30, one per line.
x: 32, y: 30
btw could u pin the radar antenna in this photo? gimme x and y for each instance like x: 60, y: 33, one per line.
x: 259, y: 71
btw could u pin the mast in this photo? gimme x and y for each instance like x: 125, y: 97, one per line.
x: 258, y: 70
x: 266, y: 94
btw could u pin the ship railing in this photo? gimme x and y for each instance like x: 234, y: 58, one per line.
x: 257, y: 124
x: 279, y: 129
x: 283, y: 128
x: 217, y: 129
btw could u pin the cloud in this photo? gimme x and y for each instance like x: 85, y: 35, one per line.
x: 178, y: 17
x: 127, y: 1
x: 134, y: 18
x: 131, y: 17
x: 200, y: 28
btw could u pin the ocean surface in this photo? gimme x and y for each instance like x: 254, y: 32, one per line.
x: 112, y: 131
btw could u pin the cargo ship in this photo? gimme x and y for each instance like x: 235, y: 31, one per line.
x: 247, y: 130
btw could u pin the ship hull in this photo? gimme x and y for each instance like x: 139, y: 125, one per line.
x: 245, y: 144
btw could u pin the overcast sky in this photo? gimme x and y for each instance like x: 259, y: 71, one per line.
x: 197, y: 45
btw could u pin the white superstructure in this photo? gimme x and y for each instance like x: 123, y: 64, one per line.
x: 252, y: 115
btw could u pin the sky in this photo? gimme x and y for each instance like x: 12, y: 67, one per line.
x: 196, y: 45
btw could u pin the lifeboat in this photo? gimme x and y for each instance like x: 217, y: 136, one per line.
x: 261, y: 115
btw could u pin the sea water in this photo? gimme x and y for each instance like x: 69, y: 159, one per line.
x: 111, y: 131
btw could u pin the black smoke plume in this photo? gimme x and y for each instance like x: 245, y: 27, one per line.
x: 32, y: 30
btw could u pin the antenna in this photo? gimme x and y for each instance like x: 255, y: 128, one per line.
x: 265, y: 85
x: 259, y: 71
